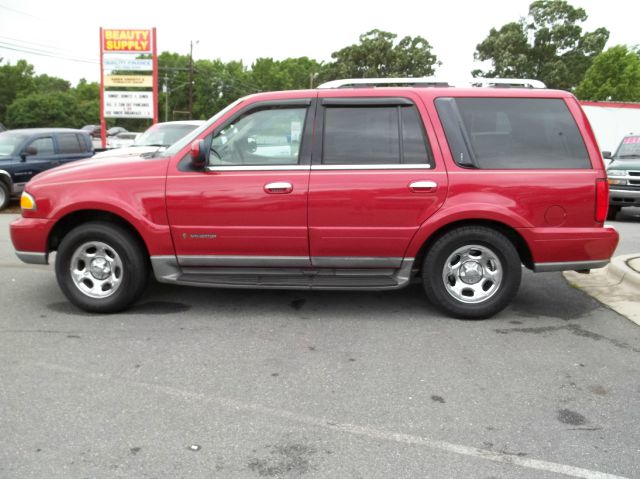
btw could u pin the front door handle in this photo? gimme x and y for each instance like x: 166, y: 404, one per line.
x: 278, y: 187
x: 423, y: 186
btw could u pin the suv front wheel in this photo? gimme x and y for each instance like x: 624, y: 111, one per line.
x: 101, y: 268
x: 472, y: 272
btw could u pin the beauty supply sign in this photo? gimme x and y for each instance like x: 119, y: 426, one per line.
x: 126, y: 41
x: 128, y: 74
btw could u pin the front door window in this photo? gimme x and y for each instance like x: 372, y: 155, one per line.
x: 261, y: 138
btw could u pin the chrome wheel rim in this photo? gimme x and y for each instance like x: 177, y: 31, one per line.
x: 472, y: 274
x: 96, y: 269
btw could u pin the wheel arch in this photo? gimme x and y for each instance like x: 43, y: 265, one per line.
x: 5, y: 178
x: 71, y: 220
x: 510, y: 233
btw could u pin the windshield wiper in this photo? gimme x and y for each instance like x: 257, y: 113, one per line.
x: 629, y: 156
x: 152, y: 144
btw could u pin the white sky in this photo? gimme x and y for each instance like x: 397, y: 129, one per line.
x: 250, y: 29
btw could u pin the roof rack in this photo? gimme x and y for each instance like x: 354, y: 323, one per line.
x: 434, y: 82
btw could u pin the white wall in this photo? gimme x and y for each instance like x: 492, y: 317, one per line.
x: 610, y: 124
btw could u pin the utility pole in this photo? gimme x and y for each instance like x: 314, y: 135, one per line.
x: 191, y: 78
x: 165, y: 88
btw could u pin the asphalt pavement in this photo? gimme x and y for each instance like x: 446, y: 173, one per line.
x: 204, y: 383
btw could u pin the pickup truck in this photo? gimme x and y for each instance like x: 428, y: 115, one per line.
x: 26, y: 152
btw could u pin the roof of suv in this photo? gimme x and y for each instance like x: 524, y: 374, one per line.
x: 32, y: 131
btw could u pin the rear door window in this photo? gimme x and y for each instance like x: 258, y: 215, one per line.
x: 374, y: 135
x: 512, y: 133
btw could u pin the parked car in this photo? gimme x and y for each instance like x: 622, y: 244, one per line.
x: 366, y: 188
x: 27, y: 152
x: 624, y: 176
x: 156, y: 138
x: 115, y: 130
x: 122, y: 140
x: 94, y: 130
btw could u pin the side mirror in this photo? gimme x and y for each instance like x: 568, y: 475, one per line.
x: 198, y: 155
x: 607, y: 155
x: 28, y: 151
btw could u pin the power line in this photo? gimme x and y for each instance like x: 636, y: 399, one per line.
x: 19, y: 11
x: 49, y: 47
x: 18, y: 48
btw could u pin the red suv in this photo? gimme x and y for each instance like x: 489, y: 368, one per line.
x: 364, y: 188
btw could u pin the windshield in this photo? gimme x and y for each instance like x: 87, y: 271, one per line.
x: 163, y: 134
x: 179, y: 145
x: 629, y: 148
x: 9, y: 142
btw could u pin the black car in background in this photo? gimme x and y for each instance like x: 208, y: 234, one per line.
x: 26, y: 152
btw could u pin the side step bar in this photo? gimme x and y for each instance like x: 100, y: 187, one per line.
x: 167, y: 270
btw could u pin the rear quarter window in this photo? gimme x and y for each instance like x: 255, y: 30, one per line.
x: 70, y: 143
x: 512, y: 133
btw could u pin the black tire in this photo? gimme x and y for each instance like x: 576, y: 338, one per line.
x: 613, y: 212
x: 131, y: 276
x: 5, y: 195
x: 478, y: 246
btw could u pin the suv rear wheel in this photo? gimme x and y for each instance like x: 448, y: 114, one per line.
x: 472, y: 272
x: 101, y: 268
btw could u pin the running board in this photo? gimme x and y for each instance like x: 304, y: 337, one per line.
x: 167, y: 270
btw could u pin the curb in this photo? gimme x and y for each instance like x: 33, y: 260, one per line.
x: 626, y: 269
x: 616, y: 286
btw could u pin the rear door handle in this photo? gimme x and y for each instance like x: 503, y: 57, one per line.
x: 278, y: 187
x: 423, y: 186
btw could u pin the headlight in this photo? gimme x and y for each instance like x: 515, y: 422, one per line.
x: 617, y: 177
x: 27, y: 202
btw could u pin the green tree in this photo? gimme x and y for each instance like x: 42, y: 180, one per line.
x: 87, y: 97
x: 45, y: 84
x: 268, y: 74
x: 548, y: 45
x: 378, y: 55
x: 14, y: 80
x: 57, y: 109
x: 614, y: 75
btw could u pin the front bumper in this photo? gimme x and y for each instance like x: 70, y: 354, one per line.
x: 30, y: 257
x: 626, y: 197
x: 29, y: 237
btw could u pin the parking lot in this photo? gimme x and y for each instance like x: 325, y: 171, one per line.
x: 204, y: 383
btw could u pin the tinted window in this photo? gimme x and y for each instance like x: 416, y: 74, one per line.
x: 361, y: 135
x: 414, y: 145
x: 260, y: 138
x: 43, y: 145
x: 70, y: 143
x: 512, y: 133
x: 368, y: 135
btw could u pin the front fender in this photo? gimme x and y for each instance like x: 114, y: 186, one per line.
x: 138, y: 201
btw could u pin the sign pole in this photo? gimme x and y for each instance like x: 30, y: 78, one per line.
x: 103, y: 123
x: 155, y: 78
